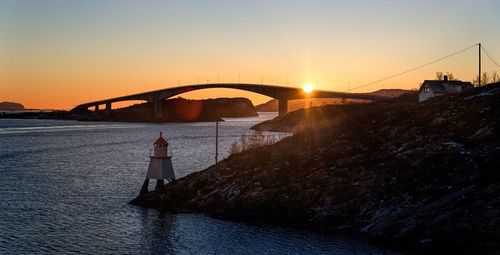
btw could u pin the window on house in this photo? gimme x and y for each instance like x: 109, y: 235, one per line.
x: 426, y: 90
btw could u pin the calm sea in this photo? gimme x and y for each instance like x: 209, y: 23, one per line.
x: 65, y: 185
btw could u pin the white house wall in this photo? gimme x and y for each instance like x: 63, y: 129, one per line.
x: 422, y: 96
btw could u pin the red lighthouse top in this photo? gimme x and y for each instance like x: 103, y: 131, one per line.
x: 160, y: 142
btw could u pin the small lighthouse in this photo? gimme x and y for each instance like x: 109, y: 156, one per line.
x: 160, y: 166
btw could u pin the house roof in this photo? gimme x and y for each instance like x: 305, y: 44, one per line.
x: 439, y: 86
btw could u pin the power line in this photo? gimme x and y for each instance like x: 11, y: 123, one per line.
x: 415, y: 68
x: 489, y: 56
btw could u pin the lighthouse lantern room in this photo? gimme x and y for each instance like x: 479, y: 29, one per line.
x: 160, y: 166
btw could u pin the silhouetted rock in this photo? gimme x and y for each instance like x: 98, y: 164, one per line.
x: 399, y: 172
x: 11, y: 106
x: 182, y: 110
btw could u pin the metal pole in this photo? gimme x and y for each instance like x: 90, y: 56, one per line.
x: 216, y: 141
x: 479, y: 75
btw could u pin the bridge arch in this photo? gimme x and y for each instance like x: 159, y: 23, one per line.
x: 209, y: 93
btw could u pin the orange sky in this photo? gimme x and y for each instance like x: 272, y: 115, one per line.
x: 55, y: 54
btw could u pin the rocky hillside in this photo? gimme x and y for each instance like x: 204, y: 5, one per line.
x: 401, y: 172
x: 11, y: 106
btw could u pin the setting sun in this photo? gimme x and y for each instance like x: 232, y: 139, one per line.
x: 308, y: 88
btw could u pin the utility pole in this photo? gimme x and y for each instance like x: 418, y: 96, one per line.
x: 216, y: 142
x: 479, y: 75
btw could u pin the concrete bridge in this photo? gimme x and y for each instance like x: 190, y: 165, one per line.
x: 281, y: 93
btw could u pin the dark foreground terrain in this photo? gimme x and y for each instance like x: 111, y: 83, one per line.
x: 422, y: 175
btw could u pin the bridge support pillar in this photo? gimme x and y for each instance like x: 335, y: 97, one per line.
x: 157, y: 105
x: 144, y: 188
x: 96, y: 109
x: 108, y: 108
x: 160, y: 185
x: 282, y: 106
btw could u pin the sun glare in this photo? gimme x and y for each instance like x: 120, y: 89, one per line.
x: 308, y: 88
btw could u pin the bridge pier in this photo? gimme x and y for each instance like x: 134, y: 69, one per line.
x: 108, y: 109
x: 96, y: 109
x: 157, y: 105
x: 282, y: 106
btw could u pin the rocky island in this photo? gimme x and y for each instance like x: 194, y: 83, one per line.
x: 11, y: 106
x: 422, y: 175
x: 179, y: 110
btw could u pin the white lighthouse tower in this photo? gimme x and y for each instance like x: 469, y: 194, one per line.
x: 160, y: 166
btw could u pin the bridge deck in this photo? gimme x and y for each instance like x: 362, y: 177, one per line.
x: 273, y: 91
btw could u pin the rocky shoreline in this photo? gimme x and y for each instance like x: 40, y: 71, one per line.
x: 401, y: 172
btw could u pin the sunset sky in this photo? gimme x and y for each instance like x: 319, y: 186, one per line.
x: 57, y: 54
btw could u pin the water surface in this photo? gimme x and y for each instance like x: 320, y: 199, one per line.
x: 65, y: 187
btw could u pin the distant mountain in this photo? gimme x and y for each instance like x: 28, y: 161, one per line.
x: 11, y: 106
x: 293, y: 105
x: 390, y: 92
x: 269, y: 106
